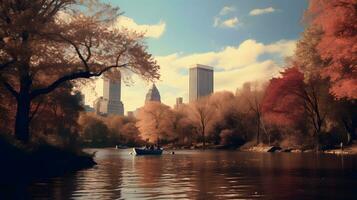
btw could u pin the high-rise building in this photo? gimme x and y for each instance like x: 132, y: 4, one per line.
x: 179, y: 102
x: 110, y: 102
x: 153, y: 94
x: 200, y: 82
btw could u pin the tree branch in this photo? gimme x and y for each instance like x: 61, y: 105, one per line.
x: 33, y: 114
x: 10, y: 89
x: 4, y: 65
x: 76, y: 75
x: 85, y: 63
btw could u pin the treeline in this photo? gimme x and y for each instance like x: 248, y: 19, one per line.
x: 109, y: 131
x: 221, y: 119
x: 311, y: 104
x: 264, y: 113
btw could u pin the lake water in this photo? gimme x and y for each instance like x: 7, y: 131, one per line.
x: 206, y: 175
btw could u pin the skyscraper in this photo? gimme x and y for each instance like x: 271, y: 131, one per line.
x: 153, y: 94
x: 110, y: 102
x: 179, y: 102
x: 200, y: 82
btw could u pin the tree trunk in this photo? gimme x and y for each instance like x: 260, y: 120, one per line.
x: 203, y: 141
x: 258, y: 134
x: 22, y: 122
x: 203, y: 138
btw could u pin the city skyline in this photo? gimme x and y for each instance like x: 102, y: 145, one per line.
x: 224, y: 99
x: 230, y: 35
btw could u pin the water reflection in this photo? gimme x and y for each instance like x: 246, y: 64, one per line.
x: 206, y: 175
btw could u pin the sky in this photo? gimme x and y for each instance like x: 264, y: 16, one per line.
x: 244, y: 40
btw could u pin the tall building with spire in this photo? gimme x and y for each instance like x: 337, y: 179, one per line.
x: 153, y: 94
x: 110, y: 103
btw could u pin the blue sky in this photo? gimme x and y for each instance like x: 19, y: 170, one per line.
x: 189, y: 23
x: 245, y: 40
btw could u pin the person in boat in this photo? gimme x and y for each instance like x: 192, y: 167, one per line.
x: 152, y: 147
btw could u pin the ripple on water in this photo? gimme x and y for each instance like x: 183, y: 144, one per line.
x: 204, y: 175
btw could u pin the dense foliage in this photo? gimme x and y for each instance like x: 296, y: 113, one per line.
x: 45, y: 44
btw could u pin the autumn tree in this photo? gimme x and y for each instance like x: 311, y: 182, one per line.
x: 54, y: 117
x: 325, y: 54
x: 110, y: 131
x: 122, y: 129
x: 178, y: 123
x: 337, y: 45
x: 251, y: 96
x: 288, y: 99
x: 202, y: 116
x: 93, y: 130
x: 45, y: 43
x: 154, y: 121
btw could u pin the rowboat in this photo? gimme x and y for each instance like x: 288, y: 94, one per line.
x: 139, y: 152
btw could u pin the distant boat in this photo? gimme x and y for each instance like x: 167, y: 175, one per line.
x: 139, y: 152
x: 121, y: 147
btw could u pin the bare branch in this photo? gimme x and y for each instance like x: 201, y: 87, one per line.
x: 33, y: 114
x: 76, y: 75
x: 88, y: 46
x: 10, y: 89
x: 84, y: 61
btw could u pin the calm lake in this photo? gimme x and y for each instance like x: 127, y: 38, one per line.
x: 206, y: 175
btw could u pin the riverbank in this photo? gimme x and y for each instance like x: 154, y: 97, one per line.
x: 25, y: 163
x: 351, y: 149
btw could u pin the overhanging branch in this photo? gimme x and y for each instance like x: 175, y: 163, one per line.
x: 73, y: 76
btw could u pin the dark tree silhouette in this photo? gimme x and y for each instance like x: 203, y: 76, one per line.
x: 44, y: 43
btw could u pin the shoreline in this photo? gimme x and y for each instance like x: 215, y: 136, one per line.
x: 347, y: 150
x: 21, y: 165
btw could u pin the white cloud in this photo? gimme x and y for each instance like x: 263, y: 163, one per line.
x: 226, y: 10
x: 228, y: 23
x: 216, y: 21
x: 224, y: 22
x: 150, y: 30
x: 234, y: 65
x: 261, y: 11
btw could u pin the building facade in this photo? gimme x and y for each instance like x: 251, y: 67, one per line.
x: 153, y: 94
x: 110, y: 103
x: 179, y: 102
x: 200, y: 82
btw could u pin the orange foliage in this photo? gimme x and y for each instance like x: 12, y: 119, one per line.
x: 282, y: 104
x: 338, y: 44
x: 154, y: 121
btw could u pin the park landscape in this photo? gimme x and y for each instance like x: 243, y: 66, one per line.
x: 51, y: 49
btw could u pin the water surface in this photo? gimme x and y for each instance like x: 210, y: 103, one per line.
x: 206, y: 175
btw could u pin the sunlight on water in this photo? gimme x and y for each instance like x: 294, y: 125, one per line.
x: 205, y: 175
